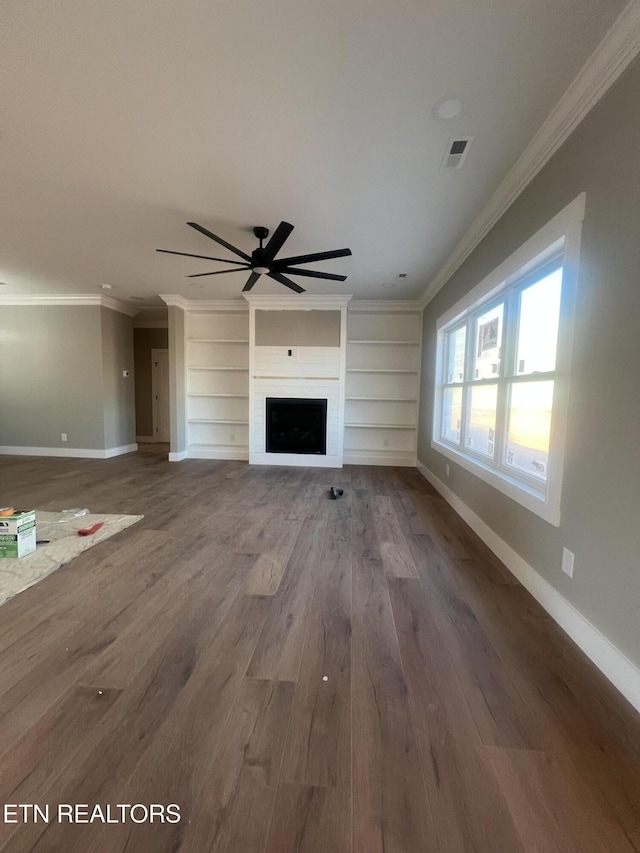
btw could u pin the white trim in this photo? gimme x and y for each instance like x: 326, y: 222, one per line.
x: 119, y: 451
x: 562, y: 226
x: 563, y: 232
x: 203, y: 304
x: 68, y: 452
x: 178, y: 457
x: 614, y: 53
x: 67, y: 300
x: 302, y: 460
x: 239, y: 455
x: 301, y: 302
x: 516, y: 490
x: 116, y: 305
x: 368, y: 457
x: 620, y: 671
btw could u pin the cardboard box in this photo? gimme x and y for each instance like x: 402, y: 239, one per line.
x: 18, y: 534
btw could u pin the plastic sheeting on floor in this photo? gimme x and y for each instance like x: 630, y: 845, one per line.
x: 61, y: 528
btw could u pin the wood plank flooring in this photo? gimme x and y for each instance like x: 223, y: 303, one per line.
x: 299, y: 675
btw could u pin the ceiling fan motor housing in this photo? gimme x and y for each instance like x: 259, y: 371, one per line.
x: 262, y: 260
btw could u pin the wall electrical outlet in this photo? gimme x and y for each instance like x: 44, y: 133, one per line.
x: 567, y: 562
x: 446, y: 468
x: 63, y: 436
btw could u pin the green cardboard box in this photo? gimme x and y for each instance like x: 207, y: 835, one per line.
x: 18, y: 534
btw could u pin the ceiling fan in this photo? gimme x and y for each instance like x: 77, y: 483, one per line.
x: 262, y: 261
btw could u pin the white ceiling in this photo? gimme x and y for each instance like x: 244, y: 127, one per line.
x: 123, y: 120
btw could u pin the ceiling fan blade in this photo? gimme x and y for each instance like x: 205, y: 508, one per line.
x: 206, y: 257
x: 286, y: 281
x: 251, y: 281
x: 219, y: 272
x: 317, y: 256
x: 276, y: 242
x: 219, y: 240
x: 313, y: 274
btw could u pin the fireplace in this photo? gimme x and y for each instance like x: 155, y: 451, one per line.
x: 296, y: 425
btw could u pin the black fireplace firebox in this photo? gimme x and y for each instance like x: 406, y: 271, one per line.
x: 296, y: 425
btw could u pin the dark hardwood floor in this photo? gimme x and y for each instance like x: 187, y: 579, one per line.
x: 298, y: 674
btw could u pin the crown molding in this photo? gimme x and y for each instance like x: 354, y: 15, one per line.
x: 68, y: 300
x: 174, y: 299
x: 306, y: 302
x: 116, y: 305
x: 612, y: 56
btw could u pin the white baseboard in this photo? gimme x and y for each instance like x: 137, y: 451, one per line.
x: 120, y: 451
x: 68, y: 452
x: 238, y: 455
x: 177, y: 457
x: 301, y: 460
x: 620, y: 671
x: 358, y: 457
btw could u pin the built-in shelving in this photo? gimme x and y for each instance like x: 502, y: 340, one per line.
x: 217, y: 380
x: 219, y: 340
x: 384, y: 399
x: 238, y: 396
x: 216, y: 367
x: 380, y: 426
x: 382, y: 375
x: 389, y: 343
x: 378, y: 370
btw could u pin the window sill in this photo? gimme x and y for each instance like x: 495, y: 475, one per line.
x: 519, y: 492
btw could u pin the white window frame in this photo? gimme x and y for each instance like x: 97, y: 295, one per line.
x: 558, y: 238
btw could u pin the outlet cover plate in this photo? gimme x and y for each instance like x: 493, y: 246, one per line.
x: 567, y: 562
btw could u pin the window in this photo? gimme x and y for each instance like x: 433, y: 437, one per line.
x: 502, y: 369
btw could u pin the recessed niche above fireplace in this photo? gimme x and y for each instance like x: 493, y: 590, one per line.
x: 296, y: 425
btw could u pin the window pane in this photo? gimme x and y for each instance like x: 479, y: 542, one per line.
x: 488, y: 343
x: 451, y: 414
x: 455, y: 355
x: 482, y: 419
x: 539, y: 318
x: 530, y: 427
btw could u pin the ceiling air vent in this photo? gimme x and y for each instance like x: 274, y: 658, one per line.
x: 456, y: 152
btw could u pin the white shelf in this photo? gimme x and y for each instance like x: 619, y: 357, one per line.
x: 199, y: 367
x: 219, y: 340
x: 385, y: 399
x: 378, y: 370
x: 381, y: 426
x: 388, y: 343
x: 226, y: 446
x: 218, y: 421
x: 237, y: 396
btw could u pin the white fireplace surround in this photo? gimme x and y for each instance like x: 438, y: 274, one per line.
x: 314, y: 371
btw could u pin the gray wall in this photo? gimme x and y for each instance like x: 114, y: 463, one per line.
x: 118, y: 391
x: 601, y: 490
x: 177, y: 390
x: 298, y: 328
x: 144, y: 340
x: 51, y: 377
